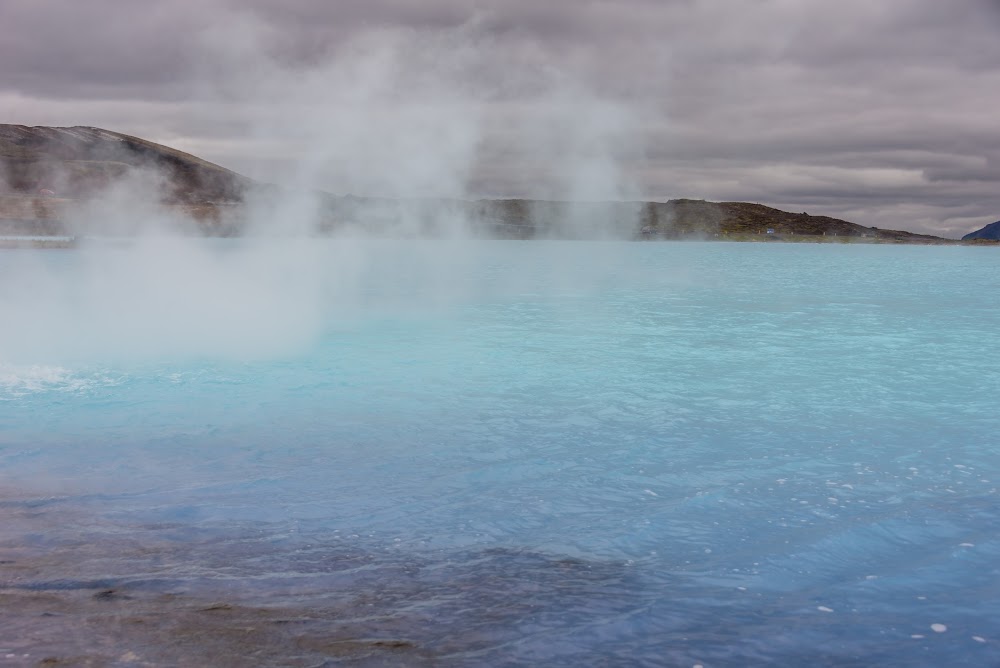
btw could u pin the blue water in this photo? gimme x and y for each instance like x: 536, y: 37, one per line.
x: 552, y: 453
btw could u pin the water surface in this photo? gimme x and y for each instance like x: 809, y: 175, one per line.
x: 508, y: 453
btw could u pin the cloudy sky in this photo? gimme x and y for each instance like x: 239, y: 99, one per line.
x: 883, y: 113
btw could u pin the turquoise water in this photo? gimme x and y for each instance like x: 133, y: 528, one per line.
x: 531, y: 453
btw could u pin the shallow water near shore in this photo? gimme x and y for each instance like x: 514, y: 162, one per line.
x: 503, y: 453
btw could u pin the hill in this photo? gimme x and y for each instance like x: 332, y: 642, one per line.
x: 79, y: 161
x: 991, y: 232
x: 48, y: 171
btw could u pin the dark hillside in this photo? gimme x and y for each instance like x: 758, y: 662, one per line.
x: 79, y: 161
x: 991, y: 233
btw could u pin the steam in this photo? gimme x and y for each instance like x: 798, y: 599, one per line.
x: 389, y: 114
x: 423, y: 116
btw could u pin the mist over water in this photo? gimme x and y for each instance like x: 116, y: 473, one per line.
x: 155, y: 298
x: 386, y: 114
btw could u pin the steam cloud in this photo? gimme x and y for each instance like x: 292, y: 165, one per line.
x: 390, y: 114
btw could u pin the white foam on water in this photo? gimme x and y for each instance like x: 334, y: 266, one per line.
x: 35, y: 378
x: 20, y: 380
x: 938, y: 628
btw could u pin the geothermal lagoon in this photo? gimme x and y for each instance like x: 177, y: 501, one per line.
x: 499, y: 453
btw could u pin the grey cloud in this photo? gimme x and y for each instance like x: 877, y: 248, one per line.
x: 99, y: 49
x: 877, y: 112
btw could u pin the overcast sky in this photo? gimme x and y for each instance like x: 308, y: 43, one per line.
x: 884, y: 113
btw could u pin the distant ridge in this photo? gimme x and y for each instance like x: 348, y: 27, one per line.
x: 990, y: 232
x: 46, y: 171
